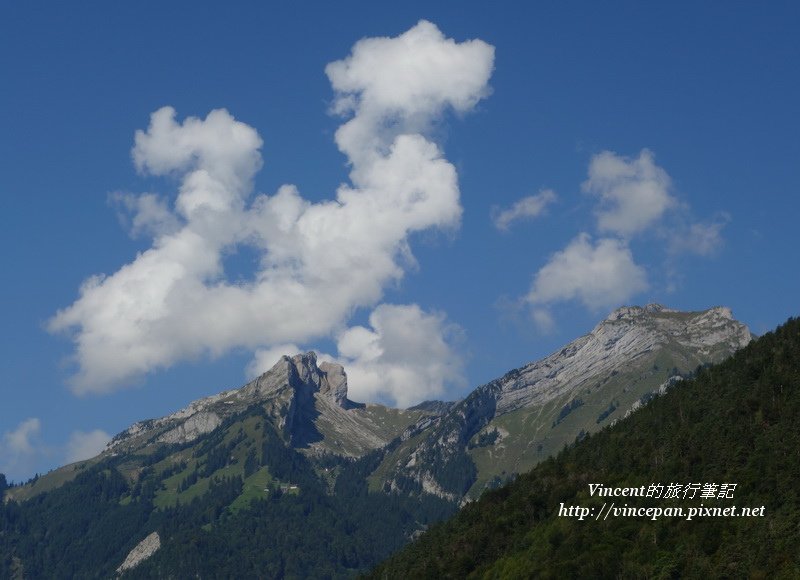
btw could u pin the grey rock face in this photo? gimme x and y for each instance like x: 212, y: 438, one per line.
x: 141, y: 552
x: 285, y: 386
x: 195, y: 425
x: 305, y: 401
x: 610, y: 366
x: 335, y: 384
x: 625, y: 336
x: 537, y: 408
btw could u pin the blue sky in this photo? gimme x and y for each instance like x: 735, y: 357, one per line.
x: 510, y: 176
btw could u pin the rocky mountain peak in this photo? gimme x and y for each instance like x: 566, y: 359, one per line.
x: 628, y: 334
x: 335, y: 384
x: 305, y: 365
x: 301, y: 372
x: 633, y: 312
x: 327, y: 378
x: 291, y: 384
x: 704, y: 330
x: 519, y: 419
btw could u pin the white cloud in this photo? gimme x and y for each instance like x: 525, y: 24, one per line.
x: 21, y: 440
x: 21, y: 448
x: 702, y: 239
x: 85, y: 445
x: 634, y: 193
x: 407, y: 356
x: 145, y: 214
x: 399, y: 85
x: 266, y: 358
x: 319, y: 261
x: 219, y: 154
x: 600, y: 275
x: 527, y: 207
x: 543, y: 319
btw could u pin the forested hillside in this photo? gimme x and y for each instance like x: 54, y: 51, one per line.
x: 241, y: 504
x: 734, y: 423
x: 286, y: 477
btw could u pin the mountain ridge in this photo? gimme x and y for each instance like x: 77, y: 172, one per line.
x: 296, y: 390
x: 645, y: 346
x: 291, y: 442
x: 309, y: 405
x: 733, y: 425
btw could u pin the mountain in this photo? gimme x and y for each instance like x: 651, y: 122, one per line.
x: 307, y: 403
x: 304, y: 403
x: 512, y: 423
x: 730, y: 434
x: 262, y: 481
x: 304, y: 482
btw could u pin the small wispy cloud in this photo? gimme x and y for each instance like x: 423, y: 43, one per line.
x: 634, y: 198
x: 266, y: 358
x: 599, y: 275
x: 634, y: 193
x: 21, y: 440
x: 526, y: 208
x: 85, y: 445
x: 21, y: 449
x: 699, y: 238
x: 144, y: 215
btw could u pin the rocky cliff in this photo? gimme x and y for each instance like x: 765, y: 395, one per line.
x: 512, y: 423
x: 307, y: 402
x: 455, y: 450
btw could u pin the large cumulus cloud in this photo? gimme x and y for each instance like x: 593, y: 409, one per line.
x: 318, y: 261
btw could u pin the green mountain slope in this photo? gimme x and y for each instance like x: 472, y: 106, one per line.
x: 287, y: 477
x: 306, y: 404
x: 237, y: 502
x: 736, y: 422
x: 267, y: 480
x: 510, y: 424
